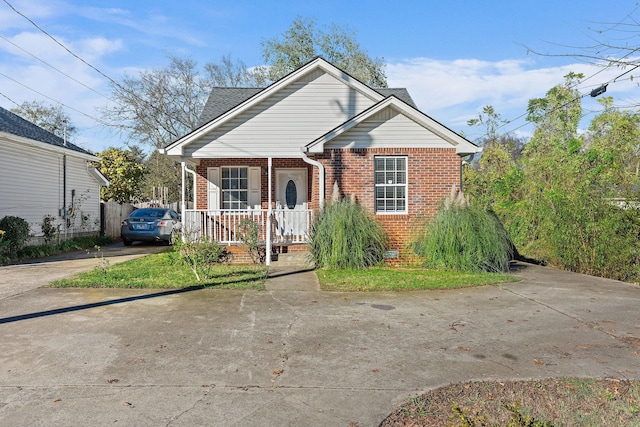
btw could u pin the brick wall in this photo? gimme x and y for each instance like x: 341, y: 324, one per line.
x: 431, y: 174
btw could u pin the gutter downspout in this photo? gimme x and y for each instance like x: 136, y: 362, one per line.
x: 464, y: 160
x: 320, y: 166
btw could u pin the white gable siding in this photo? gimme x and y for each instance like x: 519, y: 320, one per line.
x: 286, y: 121
x: 31, y: 185
x: 388, y: 129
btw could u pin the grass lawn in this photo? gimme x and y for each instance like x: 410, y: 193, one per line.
x: 163, y: 271
x: 404, y: 279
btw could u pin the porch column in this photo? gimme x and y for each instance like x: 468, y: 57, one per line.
x: 269, y: 214
x: 182, y: 202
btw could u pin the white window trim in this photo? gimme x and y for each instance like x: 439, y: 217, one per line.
x: 405, y: 185
x: 214, y: 176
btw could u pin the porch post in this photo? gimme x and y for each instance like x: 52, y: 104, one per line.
x: 182, y: 202
x: 269, y: 214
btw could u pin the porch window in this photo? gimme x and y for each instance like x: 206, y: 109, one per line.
x: 235, y: 187
x: 390, y: 184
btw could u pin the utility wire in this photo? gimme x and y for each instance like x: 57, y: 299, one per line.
x: 57, y: 69
x: 54, y: 100
x: 10, y: 100
x: 60, y: 44
x: 114, y: 82
x: 604, y: 85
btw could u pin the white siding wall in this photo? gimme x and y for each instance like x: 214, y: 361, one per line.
x: 388, y: 129
x: 31, y: 186
x: 284, y: 122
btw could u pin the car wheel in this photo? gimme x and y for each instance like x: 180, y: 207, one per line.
x: 170, y: 241
x: 127, y: 242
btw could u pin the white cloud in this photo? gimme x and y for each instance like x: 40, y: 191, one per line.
x: 35, y: 10
x: 454, y: 91
x: 31, y: 79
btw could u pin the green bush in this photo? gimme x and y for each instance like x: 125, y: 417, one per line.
x: 200, y: 256
x: 464, y: 238
x: 345, y: 235
x: 49, y: 229
x: 249, y: 235
x: 16, y: 232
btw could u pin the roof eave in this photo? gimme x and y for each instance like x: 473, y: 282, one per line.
x: 48, y: 147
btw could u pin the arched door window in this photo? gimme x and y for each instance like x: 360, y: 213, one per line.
x: 291, y: 194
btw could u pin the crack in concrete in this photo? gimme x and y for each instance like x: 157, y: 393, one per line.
x: 586, y: 323
x: 196, y: 403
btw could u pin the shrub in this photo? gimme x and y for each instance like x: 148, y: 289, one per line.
x: 464, y: 238
x: 49, y: 229
x: 16, y: 232
x: 249, y: 235
x: 345, y: 235
x: 200, y: 256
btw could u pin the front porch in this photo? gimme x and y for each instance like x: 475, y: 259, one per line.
x: 271, y: 227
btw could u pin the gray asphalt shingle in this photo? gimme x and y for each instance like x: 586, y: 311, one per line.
x: 16, y: 125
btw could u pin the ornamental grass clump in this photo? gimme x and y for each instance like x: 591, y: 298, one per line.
x: 344, y: 235
x: 464, y: 238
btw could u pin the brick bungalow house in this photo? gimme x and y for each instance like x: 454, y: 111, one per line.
x: 273, y: 155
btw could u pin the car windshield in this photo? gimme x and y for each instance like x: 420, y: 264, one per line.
x: 148, y: 213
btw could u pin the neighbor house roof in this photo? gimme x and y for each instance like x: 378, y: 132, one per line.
x: 16, y: 125
x: 223, y: 99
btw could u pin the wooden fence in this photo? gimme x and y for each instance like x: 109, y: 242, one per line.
x: 112, y: 215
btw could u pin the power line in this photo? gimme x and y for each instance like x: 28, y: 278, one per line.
x: 54, y: 100
x: 600, y: 89
x: 55, y: 68
x: 10, y: 100
x: 61, y: 44
x: 149, y: 105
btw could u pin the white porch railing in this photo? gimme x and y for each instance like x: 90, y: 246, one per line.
x: 288, y: 226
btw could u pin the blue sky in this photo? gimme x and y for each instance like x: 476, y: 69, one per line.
x: 454, y: 57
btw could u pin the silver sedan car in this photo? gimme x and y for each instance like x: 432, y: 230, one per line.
x: 150, y: 225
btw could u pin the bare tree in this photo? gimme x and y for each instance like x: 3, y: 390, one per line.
x: 49, y: 117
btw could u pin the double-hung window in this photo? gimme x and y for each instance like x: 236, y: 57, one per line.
x: 390, y: 184
x: 235, y: 187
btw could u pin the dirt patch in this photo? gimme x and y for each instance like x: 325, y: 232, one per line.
x: 558, y: 402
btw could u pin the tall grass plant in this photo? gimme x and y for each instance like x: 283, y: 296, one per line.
x: 464, y: 238
x: 345, y: 235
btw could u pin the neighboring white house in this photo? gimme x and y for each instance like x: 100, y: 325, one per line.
x: 41, y: 174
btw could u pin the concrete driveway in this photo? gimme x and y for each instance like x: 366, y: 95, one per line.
x: 295, y: 358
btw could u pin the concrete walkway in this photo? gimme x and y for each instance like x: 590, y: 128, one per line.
x: 287, y: 357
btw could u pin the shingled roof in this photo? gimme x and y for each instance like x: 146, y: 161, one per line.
x: 223, y: 99
x: 16, y: 125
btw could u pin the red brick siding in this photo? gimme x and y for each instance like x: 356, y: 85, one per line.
x: 431, y: 174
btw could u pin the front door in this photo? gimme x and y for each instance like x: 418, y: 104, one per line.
x: 291, y: 219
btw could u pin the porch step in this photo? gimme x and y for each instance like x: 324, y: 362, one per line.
x: 292, y: 259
